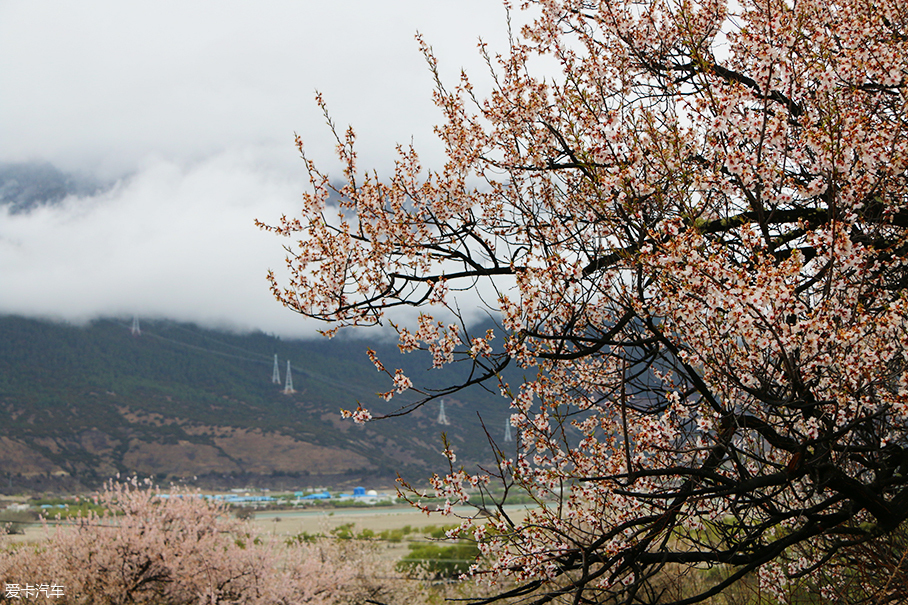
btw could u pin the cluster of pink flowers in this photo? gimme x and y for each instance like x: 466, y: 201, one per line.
x: 152, y: 546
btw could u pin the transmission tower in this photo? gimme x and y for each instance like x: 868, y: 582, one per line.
x: 507, y: 430
x: 442, y: 419
x: 276, y: 375
x: 288, y: 386
x: 135, y: 330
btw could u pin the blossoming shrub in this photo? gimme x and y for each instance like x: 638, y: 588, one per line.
x: 179, y: 548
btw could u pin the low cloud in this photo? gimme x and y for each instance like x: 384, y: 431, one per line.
x: 170, y: 241
x: 197, y: 108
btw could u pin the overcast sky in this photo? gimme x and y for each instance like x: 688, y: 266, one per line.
x: 188, y: 108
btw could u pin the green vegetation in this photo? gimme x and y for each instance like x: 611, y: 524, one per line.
x: 395, y: 535
x: 440, y: 557
x: 80, y: 397
x: 439, y: 560
x: 83, y: 509
x: 347, y: 531
x: 430, y: 550
x: 438, y: 532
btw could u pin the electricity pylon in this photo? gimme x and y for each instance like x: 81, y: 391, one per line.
x: 276, y: 375
x: 135, y: 330
x: 442, y: 419
x: 288, y: 386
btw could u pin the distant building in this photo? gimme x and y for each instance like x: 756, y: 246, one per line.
x: 254, y: 501
x: 315, y: 496
x: 361, y: 495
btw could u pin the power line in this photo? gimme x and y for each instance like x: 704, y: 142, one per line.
x: 259, y: 357
x: 220, y: 342
x: 198, y: 348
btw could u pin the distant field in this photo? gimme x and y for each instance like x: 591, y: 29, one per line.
x: 289, y: 523
x: 292, y: 522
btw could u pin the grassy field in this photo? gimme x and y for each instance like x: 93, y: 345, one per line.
x: 292, y: 523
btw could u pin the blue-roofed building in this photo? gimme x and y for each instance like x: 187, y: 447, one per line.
x: 317, y: 496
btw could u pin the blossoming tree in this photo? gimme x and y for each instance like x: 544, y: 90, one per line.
x: 153, y: 547
x: 694, y: 235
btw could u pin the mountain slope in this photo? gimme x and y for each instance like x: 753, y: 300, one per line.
x: 179, y: 401
x: 26, y: 186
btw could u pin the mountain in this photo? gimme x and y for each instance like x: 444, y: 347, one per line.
x: 25, y: 186
x: 80, y: 404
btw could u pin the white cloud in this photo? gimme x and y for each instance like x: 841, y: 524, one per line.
x: 172, y: 241
x: 100, y: 85
x: 191, y: 106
